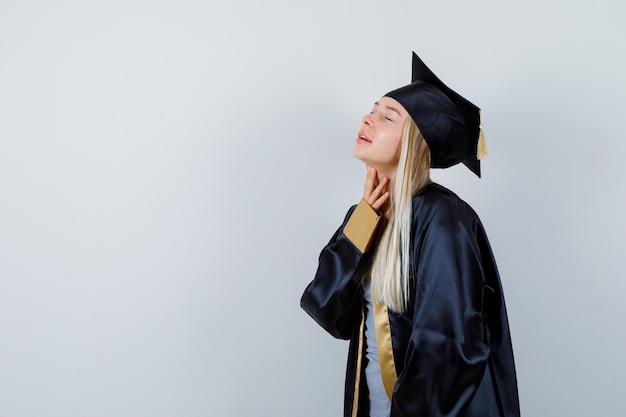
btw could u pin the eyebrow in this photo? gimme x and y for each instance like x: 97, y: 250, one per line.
x: 390, y: 108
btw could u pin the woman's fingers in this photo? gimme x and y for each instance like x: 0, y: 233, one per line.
x: 370, y: 183
x: 380, y: 189
x: 377, y: 205
x: 375, y: 194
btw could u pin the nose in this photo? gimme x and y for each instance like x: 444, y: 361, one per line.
x: 367, y: 119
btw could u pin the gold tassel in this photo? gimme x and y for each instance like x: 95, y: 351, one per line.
x: 481, y: 151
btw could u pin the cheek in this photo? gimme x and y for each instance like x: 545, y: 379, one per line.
x: 396, y: 155
x: 393, y: 146
x: 388, y: 151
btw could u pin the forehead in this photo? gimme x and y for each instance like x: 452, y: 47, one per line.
x: 391, y: 104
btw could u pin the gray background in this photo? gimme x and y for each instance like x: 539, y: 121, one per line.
x: 169, y: 172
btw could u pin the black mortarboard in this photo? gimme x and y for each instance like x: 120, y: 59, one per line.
x: 449, y: 123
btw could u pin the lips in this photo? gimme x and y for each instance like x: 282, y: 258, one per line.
x: 362, y: 137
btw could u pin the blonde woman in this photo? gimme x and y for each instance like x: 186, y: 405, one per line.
x: 409, y: 278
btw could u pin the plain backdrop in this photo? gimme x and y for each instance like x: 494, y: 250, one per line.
x: 169, y: 171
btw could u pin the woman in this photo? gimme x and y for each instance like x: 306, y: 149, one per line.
x: 409, y: 277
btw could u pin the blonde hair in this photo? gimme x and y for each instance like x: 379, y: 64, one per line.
x: 390, y: 269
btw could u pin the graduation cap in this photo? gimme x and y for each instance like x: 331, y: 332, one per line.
x: 449, y: 123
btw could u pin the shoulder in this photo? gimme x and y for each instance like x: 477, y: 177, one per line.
x: 436, y: 201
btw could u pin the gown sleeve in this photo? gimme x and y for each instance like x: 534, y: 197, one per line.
x: 333, y: 299
x: 448, y: 351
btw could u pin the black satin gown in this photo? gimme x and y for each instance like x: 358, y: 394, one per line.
x: 451, y: 347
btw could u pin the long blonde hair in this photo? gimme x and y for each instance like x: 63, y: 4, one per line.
x: 390, y: 269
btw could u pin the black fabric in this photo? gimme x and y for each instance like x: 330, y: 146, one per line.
x: 452, y: 346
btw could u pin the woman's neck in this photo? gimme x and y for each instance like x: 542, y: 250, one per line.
x: 389, y: 174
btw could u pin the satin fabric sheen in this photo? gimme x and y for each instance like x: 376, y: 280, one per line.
x: 451, y: 347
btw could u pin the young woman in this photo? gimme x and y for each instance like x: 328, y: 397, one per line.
x: 409, y: 277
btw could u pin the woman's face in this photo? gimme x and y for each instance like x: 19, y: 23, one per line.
x: 378, y: 140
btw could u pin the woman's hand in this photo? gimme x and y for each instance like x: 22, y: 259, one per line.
x: 375, y: 194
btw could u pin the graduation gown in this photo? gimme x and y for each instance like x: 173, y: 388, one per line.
x: 449, y: 353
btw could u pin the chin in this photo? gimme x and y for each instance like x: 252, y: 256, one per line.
x: 359, y: 155
x: 362, y: 160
